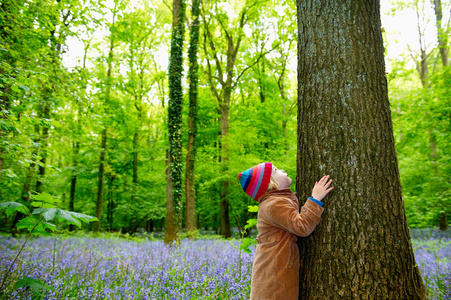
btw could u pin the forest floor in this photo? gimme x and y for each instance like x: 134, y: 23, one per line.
x: 80, y: 267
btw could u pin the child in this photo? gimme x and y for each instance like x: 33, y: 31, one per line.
x: 275, y: 272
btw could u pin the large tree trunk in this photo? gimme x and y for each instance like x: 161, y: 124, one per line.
x: 99, y: 200
x: 362, y: 247
x: 441, y: 33
x: 190, y: 220
x: 174, y: 196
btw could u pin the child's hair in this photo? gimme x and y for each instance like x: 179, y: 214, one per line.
x: 273, y: 185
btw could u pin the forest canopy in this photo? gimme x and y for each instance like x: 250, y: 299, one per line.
x: 84, y: 96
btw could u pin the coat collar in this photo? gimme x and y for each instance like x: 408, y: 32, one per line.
x: 284, y: 192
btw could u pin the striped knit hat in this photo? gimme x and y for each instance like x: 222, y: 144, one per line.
x: 255, y: 180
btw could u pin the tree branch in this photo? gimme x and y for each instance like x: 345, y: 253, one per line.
x: 210, y: 76
x: 250, y: 66
x: 213, y: 47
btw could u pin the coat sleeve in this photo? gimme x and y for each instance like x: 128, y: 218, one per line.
x: 284, y: 215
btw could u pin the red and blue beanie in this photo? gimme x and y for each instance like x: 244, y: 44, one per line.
x: 255, y: 180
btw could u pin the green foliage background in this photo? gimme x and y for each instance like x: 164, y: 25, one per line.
x: 34, y: 36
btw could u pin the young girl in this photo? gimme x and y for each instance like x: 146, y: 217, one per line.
x: 275, y: 272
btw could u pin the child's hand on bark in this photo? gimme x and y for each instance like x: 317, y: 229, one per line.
x: 321, y: 188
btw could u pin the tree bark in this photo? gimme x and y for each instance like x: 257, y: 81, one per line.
x: 174, y: 196
x: 190, y: 220
x: 362, y: 247
x: 441, y: 33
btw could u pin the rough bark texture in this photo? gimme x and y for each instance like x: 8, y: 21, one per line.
x: 441, y: 33
x: 362, y: 248
x: 192, y: 120
x: 174, y: 196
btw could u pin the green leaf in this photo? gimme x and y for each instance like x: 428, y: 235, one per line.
x: 68, y: 216
x: 46, y: 197
x: 250, y: 223
x: 246, y: 243
x: 15, y: 88
x: 50, y: 226
x: 27, y: 223
x: 83, y: 217
x: 252, y: 208
x: 48, y: 200
x: 34, y: 284
x: 55, y: 123
x: 47, y: 213
x: 14, y: 206
x: 23, y: 87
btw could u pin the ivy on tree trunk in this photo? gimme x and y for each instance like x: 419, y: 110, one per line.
x: 174, y: 197
x: 192, y: 122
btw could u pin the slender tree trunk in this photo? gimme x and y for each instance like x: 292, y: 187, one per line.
x: 174, y: 200
x: 286, y: 113
x: 135, y: 164
x: 76, y: 143
x: 423, y: 68
x: 5, y: 106
x: 31, y: 169
x: 223, y: 97
x: 99, y: 200
x: 7, y: 9
x: 441, y: 34
x: 261, y: 84
x: 224, y: 193
x: 44, y: 141
x: 362, y: 248
x: 73, y: 182
x: 170, y: 233
x: 192, y: 120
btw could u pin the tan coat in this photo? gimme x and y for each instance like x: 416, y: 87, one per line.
x: 275, y: 272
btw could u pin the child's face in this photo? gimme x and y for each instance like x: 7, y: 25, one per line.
x: 281, y: 177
